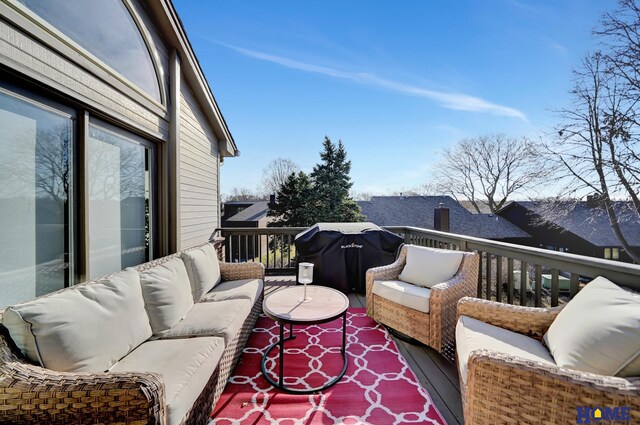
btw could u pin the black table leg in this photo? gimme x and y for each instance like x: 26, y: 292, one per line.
x: 281, y: 375
x: 344, y: 334
x: 280, y: 343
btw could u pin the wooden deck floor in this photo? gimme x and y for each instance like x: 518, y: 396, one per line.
x: 437, y: 375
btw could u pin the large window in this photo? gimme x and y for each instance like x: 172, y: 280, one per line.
x: 41, y: 227
x: 612, y: 253
x: 106, y: 29
x: 119, y: 200
x: 36, y: 182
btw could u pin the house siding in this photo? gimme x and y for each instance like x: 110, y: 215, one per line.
x: 40, y: 61
x: 199, y: 172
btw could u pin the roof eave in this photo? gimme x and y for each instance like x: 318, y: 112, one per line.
x: 173, y: 29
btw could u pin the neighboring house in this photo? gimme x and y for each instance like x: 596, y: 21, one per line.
x: 111, y: 141
x: 245, y: 214
x: 419, y: 211
x: 580, y: 228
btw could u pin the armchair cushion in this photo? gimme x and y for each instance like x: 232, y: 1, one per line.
x: 403, y: 293
x: 203, y: 269
x: 429, y: 266
x: 598, y: 331
x: 167, y: 294
x: 84, y: 329
x: 472, y: 334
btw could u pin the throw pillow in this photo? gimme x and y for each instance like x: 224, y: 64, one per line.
x: 167, y: 294
x: 203, y: 270
x: 83, y: 329
x: 429, y: 266
x: 598, y: 331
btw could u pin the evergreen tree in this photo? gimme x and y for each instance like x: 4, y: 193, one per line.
x: 322, y: 196
x: 294, y: 203
x: 331, y: 184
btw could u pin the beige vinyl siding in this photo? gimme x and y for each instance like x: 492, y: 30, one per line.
x: 36, y: 60
x: 199, y: 153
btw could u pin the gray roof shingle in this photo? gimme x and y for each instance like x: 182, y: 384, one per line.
x: 418, y: 211
x: 589, y: 223
x: 255, y: 212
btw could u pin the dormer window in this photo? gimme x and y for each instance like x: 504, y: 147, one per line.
x: 106, y: 29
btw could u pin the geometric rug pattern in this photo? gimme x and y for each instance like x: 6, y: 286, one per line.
x: 378, y: 387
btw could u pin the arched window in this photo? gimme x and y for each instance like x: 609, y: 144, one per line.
x: 107, y: 30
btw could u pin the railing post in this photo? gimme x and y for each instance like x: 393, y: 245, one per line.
x: 407, y: 236
x: 499, y: 278
x: 488, y: 274
x: 462, y: 245
x: 480, y: 275
x: 555, y: 287
x: 524, y: 274
x: 538, y: 287
x: 510, y: 284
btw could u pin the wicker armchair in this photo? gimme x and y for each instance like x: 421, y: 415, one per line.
x: 435, y: 328
x: 33, y: 394
x: 505, y: 389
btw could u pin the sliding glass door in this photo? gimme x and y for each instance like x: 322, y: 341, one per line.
x: 42, y: 221
x: 36, y: 185
x: 120, y: 207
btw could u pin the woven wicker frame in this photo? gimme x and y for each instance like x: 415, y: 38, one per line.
x: 32, y: 394
x: 504, y: 389
x: 436, y: 328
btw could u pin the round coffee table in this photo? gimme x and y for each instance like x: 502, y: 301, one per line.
x: 284, y: 306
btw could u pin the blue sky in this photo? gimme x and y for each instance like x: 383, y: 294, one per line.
x: 397, y: 82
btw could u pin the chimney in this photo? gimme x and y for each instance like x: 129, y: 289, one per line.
x: 272, y: 200
x: 441, y: 218
x: 595, y: 200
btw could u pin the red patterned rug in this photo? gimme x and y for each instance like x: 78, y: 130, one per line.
x: 378, y: 387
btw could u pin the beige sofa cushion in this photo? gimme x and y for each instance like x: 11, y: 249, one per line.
x: 203, y: 269
x: 249, y: 289
x: 472, y: 334
x: 429, y: 266
x: 403, y: 293
x: 84, y: 329
x: 167, y: 294
x: 185, y: 365
x: 219, y: 318
x: 598, y: 331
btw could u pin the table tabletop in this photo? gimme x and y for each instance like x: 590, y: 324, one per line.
x: 326, y: 304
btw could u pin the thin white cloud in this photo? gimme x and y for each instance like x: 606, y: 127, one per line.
x: 455, y: 101
x: 558, y: 47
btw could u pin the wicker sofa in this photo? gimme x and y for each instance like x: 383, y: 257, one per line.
x: 141, y: 387
x: 436, y: 327
x: 500, y: 387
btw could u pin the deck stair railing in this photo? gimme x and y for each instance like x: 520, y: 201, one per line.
x: 509, y: 273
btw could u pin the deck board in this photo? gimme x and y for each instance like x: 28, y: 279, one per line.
x: 436, y: 374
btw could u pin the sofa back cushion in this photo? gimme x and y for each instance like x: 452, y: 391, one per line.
x: 598, y: 331
x: 83, y: 329
x: 203, y: 270
x: 430, y: 266
x: 167, y: 294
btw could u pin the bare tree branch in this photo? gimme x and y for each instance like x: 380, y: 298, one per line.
x: 276, y: 174
x: 490, y: 169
